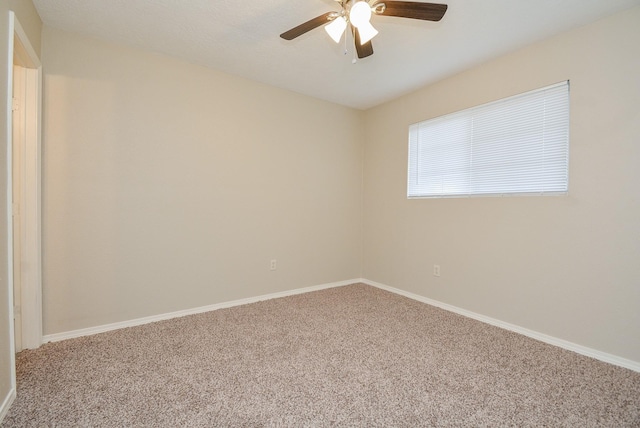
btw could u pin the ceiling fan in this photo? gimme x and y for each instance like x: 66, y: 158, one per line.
x: 357, y: 15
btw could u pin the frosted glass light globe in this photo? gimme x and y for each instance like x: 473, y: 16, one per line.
x: 336, y: 28
x: 366, y: 32
x: 360, y: 13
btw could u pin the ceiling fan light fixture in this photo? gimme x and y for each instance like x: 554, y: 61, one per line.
x: 336, y: 28
x: 360, y: 14
x: 356, y: 14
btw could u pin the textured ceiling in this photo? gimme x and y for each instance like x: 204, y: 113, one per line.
x: 242, y: 38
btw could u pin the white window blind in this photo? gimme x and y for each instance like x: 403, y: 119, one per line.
x: 517, y: 145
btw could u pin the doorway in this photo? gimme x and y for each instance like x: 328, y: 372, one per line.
x: 25, y: 188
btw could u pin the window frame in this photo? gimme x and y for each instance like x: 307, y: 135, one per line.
x: 415, y: 191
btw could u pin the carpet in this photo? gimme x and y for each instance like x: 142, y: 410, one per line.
x: 347, y: 356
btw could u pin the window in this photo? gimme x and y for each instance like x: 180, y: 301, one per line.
x: 515, y: 146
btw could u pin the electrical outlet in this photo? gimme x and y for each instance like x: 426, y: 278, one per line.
x: 436, y: 270
x: 273, y: 265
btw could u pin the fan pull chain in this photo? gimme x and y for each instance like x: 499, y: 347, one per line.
x: 345, y: 43
x: 346, y: 50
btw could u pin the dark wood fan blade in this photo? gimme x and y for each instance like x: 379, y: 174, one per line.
x: 362, y: 50
x: 307, y: 26
x: 414, y: 10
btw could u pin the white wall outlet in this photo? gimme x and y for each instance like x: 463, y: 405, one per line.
x: 436, y: 270
x: 273, y: 265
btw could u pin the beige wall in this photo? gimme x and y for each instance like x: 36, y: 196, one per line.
x: 25, y: 13
x: 169, y: 186
x: 565, y: 266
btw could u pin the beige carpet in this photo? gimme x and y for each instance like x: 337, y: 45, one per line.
x: 348, y: 356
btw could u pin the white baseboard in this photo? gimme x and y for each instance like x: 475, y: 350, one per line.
x: 4, y: 408
x: 579, y: 349
x: 56, y: 337
x: 583, y: 350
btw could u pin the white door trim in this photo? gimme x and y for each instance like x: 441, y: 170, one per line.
x: 9, y: 138
x: 17, y: 175
x: 30, y: 203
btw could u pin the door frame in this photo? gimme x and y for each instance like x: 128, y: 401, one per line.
x: 29, y: 209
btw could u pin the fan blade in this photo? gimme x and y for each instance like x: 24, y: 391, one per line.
x: 307, y: 26
x: 362, y: 50
x: 410, y: 9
